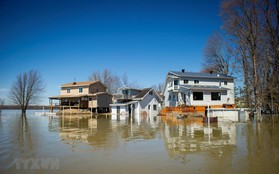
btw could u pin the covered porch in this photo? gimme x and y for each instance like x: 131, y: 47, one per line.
x: 73, y: 102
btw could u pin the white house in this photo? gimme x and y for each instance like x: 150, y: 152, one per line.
x: 197, y: 89
x: 136, y: 102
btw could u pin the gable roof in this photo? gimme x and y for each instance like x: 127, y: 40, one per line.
x: 199, y: 75
x: 143, y: 93
x: 129, y: 88
x: 86, y: 83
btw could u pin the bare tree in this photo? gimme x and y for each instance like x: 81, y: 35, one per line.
x: 27, y: 89
x: 241, y: 21
x: 126, y: 82
x: 217, y: 55
x: 159, y: 87
x: 270, y: 44
x: 110, y: 80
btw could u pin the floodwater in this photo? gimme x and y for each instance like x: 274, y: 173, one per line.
x: 163, y: 145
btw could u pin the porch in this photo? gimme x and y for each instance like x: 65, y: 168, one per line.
x: 73, y: 102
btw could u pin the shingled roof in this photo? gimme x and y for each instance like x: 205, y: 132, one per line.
x: 143, y: 93
x: 86, y: 83
x: 199, y: 75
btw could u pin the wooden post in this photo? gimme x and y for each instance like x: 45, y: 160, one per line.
x: 208, y: 122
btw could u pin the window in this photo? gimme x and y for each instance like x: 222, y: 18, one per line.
x: 150, y: 92
x: 175, y: 82
x: 215, y: 96
x: 186, y: 81
x: 84, y: 98
x: 97, y: 90
x: 169, y: 97
x: 90, y: 99
x: 148, y: 107
x: 80, y: 90
x: 173, y: 97
x: 68, y: 90
x: 196, y: 82
x: 225, y: 83
x: 155, y: 107
x: 197, y: 95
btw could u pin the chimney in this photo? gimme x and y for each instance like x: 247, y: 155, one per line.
x: 183, y: 70
x: 74, y: 81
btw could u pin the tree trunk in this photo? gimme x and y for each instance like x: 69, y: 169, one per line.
x: 23, y: 111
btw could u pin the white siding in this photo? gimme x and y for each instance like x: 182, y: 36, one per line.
x: 150, y: 100
x: 227, y: 97
x: 123, y: 109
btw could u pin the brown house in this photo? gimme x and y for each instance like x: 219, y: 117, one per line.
x: 83, y: 95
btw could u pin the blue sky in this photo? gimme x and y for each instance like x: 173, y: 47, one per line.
x: 71, y: 39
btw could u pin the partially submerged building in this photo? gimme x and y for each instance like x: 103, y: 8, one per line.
x: 198, y: 89
x: 136, y: 102
x: 90, y: 95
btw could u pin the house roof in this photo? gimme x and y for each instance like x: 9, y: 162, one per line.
x: 199, y: 75
x: 143, y: 93
x: 204, y: 87
x: 86, y: 83
x: 127, y: 88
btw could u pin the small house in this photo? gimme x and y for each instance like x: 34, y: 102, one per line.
x: 136, y: 102
x: 90, y: 95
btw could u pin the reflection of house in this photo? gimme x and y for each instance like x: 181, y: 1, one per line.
x: 84, y: 95
x: 194, y: 136
x: 197, y: 89
x: 137, y: 102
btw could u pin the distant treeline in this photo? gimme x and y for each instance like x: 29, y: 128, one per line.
x: 29, y: 107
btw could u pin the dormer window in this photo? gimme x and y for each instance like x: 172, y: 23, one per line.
x: 150, y: 92
x: 68, y: 90
x: 196, y: 82
x: 80, y: 90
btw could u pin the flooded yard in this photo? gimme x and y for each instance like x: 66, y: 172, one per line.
x: 163, y: 145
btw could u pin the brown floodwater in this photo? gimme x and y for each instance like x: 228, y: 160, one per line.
x: 163, y: 145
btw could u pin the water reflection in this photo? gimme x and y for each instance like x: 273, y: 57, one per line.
x: 160, y: 144
x: 184, y: 136
x: 102, y: 132
x: 180, y: 136
x: 17, y: 140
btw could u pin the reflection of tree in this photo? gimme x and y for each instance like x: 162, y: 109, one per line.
x: 103, y: 136
x: 263, y: 148
x: 24, y: 134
